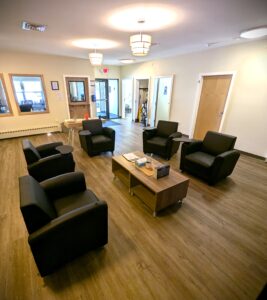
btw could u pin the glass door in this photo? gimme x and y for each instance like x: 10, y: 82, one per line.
x: 107, y: 98
x: 101, y: 93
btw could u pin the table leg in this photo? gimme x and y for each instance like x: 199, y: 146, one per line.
x: 72, y: 138
x: 69, y: 136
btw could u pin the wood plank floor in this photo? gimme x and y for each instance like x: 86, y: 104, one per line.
x: 213, y: 247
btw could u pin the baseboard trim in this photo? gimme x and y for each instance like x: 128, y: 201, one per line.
x: 252, y: 155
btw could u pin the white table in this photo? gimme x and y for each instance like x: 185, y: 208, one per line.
x: 73, y: 124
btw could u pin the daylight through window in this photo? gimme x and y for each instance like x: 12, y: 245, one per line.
x: 29, y: 93
x: 5, y: 108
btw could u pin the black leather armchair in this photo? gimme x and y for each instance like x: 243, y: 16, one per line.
x: 45, y: 161
x: 63, y: 219
x: 95, y: 138
x: 211, y: 159
x: 160, y: 140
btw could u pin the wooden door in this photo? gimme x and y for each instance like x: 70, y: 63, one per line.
x: 78, y: 97
x: 211, y: 105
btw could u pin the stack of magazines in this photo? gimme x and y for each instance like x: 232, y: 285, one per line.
x: 130, y: 156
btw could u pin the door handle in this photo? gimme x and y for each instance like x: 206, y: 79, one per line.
x: 221, y: 113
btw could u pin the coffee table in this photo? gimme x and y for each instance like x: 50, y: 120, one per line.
x: 157, y: 194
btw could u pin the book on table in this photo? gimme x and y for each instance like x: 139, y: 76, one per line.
x: 130, y: 156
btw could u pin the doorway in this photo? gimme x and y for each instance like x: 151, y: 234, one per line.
x: 141, y: 100
x: 127, y: 99
x: 107, y: 98
x: 161, y: 99
x: 78, y: 96
x: 214, y: 93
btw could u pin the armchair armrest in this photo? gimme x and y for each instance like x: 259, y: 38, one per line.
x: 48, y: 149
x: 191, y: 147
x: 85, y: 133
x: 45, y: 160
x: 228, y: 154
x: 51, y: 166
x: 85, y: 137
x: 69, y: 235
x: 188, y: 148
x: 175, y: 135
x: 109, y: 132
x: 149, y: 128
x: 149, y: 133
x: 223, y: 165
x: 63, y: 185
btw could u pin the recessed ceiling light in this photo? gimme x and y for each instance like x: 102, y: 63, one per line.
x: 127, y: 60
x: 31, y: 26
x: 95, y: 43
x: 130, y: 18
x: 254, y: 33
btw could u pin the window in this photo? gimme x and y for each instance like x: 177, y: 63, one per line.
x: 77, y: 91
x: 29, y: 93
x: 5, y: 108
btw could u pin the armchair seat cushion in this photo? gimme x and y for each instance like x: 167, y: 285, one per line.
x: 100, y: 139
x: 157, y: 141
x: 75, y: 201
x: 201, y: 158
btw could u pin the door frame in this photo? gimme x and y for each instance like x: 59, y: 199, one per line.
x: 198, y: 95
x: 66, y: 92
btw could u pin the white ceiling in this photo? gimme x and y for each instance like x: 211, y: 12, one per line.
x: 203, y: 22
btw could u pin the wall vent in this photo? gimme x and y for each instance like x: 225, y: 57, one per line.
x: 31, y: 26
x: 4, y: 134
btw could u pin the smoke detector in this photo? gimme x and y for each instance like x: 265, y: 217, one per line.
x: 35, y: 27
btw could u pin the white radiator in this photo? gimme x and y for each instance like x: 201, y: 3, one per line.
x: 4, y: 134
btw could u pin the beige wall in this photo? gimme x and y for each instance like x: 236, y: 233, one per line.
x: 53, y: 68
x: 247, y: 110
x: 246, y: 116
x: 113, y: 72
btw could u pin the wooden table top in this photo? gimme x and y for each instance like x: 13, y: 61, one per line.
x: 156, y: 185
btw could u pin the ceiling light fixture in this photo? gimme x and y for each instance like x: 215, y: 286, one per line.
x: 96, y: 58
x: 254, y: 33
x: 140, y: 43
x: 127, y: 60
x: 157, y: 16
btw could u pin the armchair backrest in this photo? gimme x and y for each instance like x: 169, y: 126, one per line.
x: 94, y: 126
x: 34, y: 204
x: 30, y: 152
x: 166, y: 128
x: 25, y: 107
x: 216, y: 143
